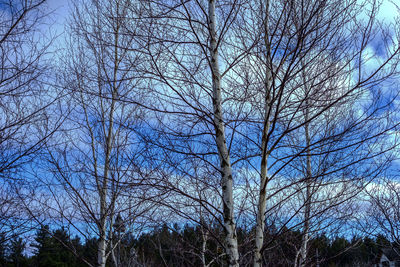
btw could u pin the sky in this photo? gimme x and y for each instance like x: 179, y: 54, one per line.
x: 61, y: 8
x: 59, y: 14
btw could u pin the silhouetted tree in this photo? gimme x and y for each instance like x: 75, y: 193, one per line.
x: 17, y: 247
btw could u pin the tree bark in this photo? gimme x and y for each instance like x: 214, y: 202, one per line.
x: 108, y: 149
x: 231, y: 246
x: 307, y: 206
x: 260, y: 223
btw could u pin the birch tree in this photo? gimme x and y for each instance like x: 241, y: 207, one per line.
x: 256, y: 97
x: 93, y: 164
x: 299, y: 36
x: 226, y: 169
x: 188, y: 41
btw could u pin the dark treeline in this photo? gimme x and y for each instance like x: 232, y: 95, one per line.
x: 182, y: 246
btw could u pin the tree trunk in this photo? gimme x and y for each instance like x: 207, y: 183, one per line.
x: 231, y: 246
x: 204, y: 237
x: 307, y: 205
x: 260, y: 223
x: 108, y: 149
x: 101, y: 251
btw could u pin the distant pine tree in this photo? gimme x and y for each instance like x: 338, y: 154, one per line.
x: 43, y: 247
x: 54, y: 249
x: 16, y: 256
x: 3, y: 247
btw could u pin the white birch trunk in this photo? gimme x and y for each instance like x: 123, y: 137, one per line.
x: 262, y: 201
x: 260, y: 223
x: 204, y: 238
x: 231, y: 246
x: 101, y: 255
x: 259, y: 238
x: 307, y: 206
x: 101, y: 251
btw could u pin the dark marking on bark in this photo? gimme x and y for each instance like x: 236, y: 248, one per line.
x: 223, y: 163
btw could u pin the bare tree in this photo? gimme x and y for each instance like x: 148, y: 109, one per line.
x: 94, y: 165
x: 24, y: 101
x: 379, y: 211
x: 298, y: 37
x: 191, y: 51
x: 229, y: 92
x: 261, y: 95
x: 333, y: 162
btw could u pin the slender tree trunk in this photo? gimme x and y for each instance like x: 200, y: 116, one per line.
x: 307, y: 206
x: 231, y: 246
x: 108, y: 132
x: 259, y: 238
x: 204, y: 237
x: 101, y: 251
x: 262, y: 201
x: 260, y: 223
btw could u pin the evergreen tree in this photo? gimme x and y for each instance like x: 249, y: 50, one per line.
x: 89, y: 250
x: 61, y: 247
x: 43, y: 253
x: 16, y: 256
x: 53, y: 249
x: 3, y: 260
